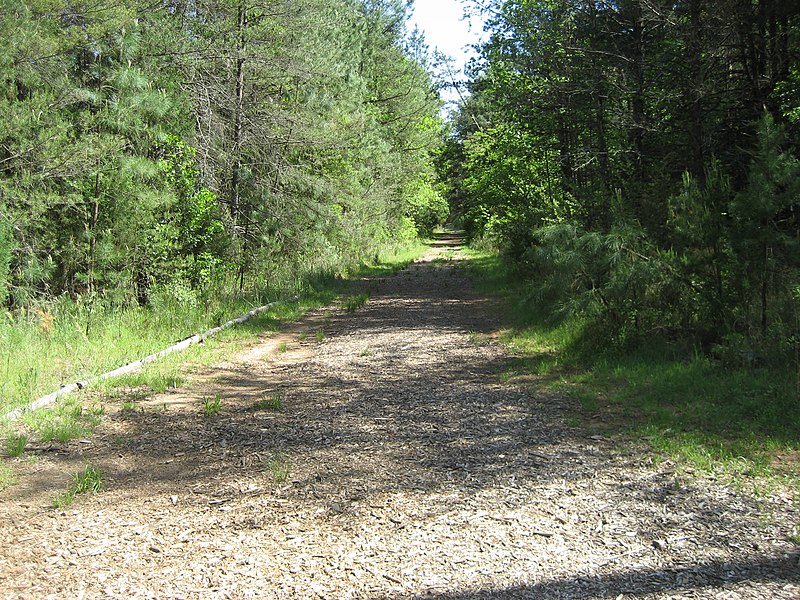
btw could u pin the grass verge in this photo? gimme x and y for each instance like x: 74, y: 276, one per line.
x: 736, y: 421
x: 63, y: 341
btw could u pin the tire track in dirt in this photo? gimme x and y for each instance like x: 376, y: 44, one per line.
x: 398, y: 467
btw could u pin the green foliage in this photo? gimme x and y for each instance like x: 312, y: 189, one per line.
x: 764, y: 233
x: 218, y: 147
x: 212, y: 406
x: 15, y: 444
x: 88, y: 481
x: 426, y: 207
x: 630, y: 194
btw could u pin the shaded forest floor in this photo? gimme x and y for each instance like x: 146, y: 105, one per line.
x: 377, y: 454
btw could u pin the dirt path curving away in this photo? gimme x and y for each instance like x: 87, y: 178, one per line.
x: 397, y: 467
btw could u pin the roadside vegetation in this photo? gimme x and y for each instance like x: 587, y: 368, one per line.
x: 40, y: 356
x: 721, y: 416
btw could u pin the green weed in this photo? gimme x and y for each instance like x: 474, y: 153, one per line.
x: 15, y: 444
x: 353, y: 303
x: 88, y: 481
x: 283, y: 347
x: 269, y: 402
x: 278, y: 468
x: 212, y: 406
x: 320, y: 335
x: 7, y: 478
x: 67, y: 420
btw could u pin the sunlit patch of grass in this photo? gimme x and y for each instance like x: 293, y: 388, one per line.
x: 67, y: 420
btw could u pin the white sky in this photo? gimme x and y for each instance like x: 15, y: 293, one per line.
x: 445, y: 29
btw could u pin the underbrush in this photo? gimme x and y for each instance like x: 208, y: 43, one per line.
x: 718, y: 416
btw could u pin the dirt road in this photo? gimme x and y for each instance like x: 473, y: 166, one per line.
x: 398, y: 466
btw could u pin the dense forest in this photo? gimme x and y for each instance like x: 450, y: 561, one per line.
x: 159, y: 147
x: 638, y: 162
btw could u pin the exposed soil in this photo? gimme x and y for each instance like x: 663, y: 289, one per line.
x: 398, y: 466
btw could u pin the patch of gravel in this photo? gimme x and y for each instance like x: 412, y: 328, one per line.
x: 398, y: 466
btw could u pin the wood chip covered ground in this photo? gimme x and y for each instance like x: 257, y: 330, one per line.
x: 397, y: 466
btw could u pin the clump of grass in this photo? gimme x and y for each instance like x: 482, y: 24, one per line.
x: 283, y: 347
x: 279, y: 468
x: 269, y: 402
x: 15, y: 444
x: 212, y: 406
x: 128, y: 405
x: 88, y: 481
x: 320, y: 335
x: 353, y: 303
x: 158, y: 378
x: 7, y: 478
x: 68, y: 420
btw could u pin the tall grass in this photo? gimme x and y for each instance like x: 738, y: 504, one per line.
x: 67, y: 341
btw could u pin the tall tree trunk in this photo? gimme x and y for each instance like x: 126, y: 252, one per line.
x: 696, y: 91
x: 637, y: 94
x: 238, y: 116
x: 93, y: 233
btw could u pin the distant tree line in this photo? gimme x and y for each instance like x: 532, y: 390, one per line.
x: 180, y: 144
x: 637, y: 161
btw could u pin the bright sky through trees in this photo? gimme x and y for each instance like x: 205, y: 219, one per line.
x: 446, y: 29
